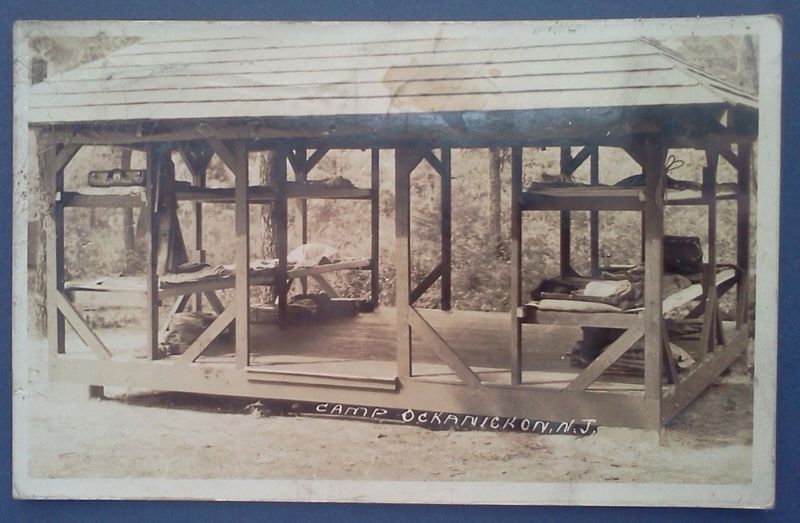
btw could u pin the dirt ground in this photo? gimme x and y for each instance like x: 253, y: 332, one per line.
x: 148, y: 435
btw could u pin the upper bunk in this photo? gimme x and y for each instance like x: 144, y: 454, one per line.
x: 598, y: 198
x: 136, y: 196
x: 211, y: 278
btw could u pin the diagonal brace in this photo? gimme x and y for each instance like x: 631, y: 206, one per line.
x: 612, y: 353
x: 210, y: 334
x: 84, y: 332
x: 425, y: 284
x: 442, y: 348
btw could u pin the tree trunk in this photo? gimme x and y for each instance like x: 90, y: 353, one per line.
x: 39, y: 213
x: 495, y: 166
x: 266, y: 176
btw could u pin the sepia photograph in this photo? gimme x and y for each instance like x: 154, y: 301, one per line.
x: 498, y: 262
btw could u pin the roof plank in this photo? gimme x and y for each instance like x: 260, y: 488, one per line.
x: 168, y: 78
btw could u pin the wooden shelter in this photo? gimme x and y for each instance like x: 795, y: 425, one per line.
x: 435, y: 88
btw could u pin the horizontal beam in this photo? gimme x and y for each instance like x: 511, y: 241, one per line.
x: 610, y: 320
x: 536, y: 202
x: 610, y: 409
x: 76, y: 199
x: 269, y: 375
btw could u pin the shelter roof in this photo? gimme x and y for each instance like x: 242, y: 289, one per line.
x: 353, y: 70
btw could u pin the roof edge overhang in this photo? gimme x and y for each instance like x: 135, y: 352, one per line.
x: 681, y: 125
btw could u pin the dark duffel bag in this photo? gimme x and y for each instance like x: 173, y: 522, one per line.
x: 683, y: 254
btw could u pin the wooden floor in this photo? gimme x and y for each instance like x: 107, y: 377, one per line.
x: 364, y: 346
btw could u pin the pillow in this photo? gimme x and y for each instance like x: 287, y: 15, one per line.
x: 311, y: 254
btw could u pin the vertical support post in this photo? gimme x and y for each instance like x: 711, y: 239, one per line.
x: 516, y: 264
x: 127, y: 212
x: 375, y: 248
x: 199, y: 181
x: 709, y: 187
x: 446, y: 230
x: 655, y: 153
x: 302, y: 205
x: 405, y: 160
x: 745, y: 153
x: 55, y: 244
x: 282, y: 236
x: 242, y: 231
x: 594, y: 216
x: 565, y: 239
x: 155, y: 152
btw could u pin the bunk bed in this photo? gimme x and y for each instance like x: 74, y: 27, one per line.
x: 617, y: 303
x: 177, y: 278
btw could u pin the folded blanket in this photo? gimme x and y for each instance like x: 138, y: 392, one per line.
x: 203, y: 273
x: 606, y: 289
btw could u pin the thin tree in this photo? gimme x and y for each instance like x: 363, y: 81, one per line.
x: 497, y: 158
x: 268, y: 167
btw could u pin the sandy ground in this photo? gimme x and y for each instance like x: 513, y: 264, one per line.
x: 188, y: 436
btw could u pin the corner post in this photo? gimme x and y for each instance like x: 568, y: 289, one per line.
x: 744, y: 171
x: 54, y: 185
x: 406, y: 159
x: 655, y: 154
x: 242, y: 231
